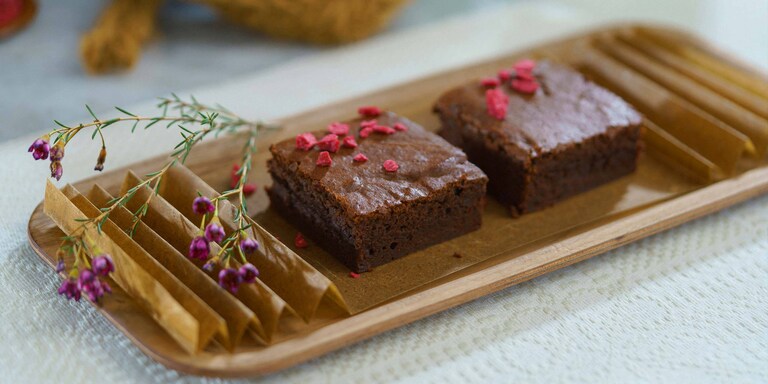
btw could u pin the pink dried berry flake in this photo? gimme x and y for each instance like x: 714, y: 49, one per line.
x: 400, y: 127
x: 324, y: 159
x: 391, y: 166
x: 339, y: 129
x: 527, y: 87
x: 365, y: 132
x: 505, y: 74
x: 369, y: 111
x: 305, y: 141
x: 329, y: 143
x: 490, y: 82
x: 360, y: 158
x: 300, y: 241
x: 368, y: 123
x: 524, y: 66
x: 384, y: 129
x: 349, y: 142
x: 496, y: 102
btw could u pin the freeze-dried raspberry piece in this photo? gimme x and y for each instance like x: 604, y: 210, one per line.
x: 349, y: 142
x: 369, y: 111
x: 390, y: 166
x: 365, y: 132
x: 490, y: 82
x: 324, y: 159
x: 340, y: 129
x: 360, y: 158
x: 497, y: 102
x: 400, y: 127
x: 300, y: 241
x: 329, y: 142
x: 368, y: 123
x: 384, y: 129
x: 525, y: 86
x: 505, y: 74
x: 305, y: 141
x: 524, y: 66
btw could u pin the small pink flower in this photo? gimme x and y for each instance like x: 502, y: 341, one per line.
x: 202, y: 205
x: 85, y: 279
x: 40, y: 149
x: 56, y: 170
x: 199, y: 248
x: 230, y: 279
x: 249, y: 245
x: 214, y: 232
x: 89, y: 284
x: 69, y: 289
x: 103, y: 265
x: 100, y: 160
x: 57, y: 152
x: 248, y: 273
x: 209, y: 266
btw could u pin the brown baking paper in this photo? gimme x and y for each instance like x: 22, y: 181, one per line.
x: 169, y: 223
x: 500, y: 233
x: 236, y: 315
x: 297, y: 282
x: 186, y: 318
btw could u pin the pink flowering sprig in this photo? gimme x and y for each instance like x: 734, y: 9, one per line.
x: 195, y: 122
x: 237, y: 245
x: 86, y: 274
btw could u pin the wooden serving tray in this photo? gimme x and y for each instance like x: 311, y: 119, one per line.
x: 718, y: 186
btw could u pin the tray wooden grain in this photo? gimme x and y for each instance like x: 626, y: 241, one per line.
x: 413, y: 100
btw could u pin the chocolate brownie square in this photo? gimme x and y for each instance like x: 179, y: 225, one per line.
x: 542, y: 133
x: 372, y: 190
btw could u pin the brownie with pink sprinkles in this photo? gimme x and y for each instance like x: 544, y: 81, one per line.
x: 376, y: 188
x: 542, y: 132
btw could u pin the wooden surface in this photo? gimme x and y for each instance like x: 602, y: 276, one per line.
x: 510, y: 267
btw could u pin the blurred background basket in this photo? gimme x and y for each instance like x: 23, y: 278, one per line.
x: 124, y: 26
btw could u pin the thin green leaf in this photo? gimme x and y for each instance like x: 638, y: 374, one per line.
x: 91, y: 112
x: 124, y: 111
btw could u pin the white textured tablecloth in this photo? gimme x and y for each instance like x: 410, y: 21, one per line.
x: 687, y: 305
